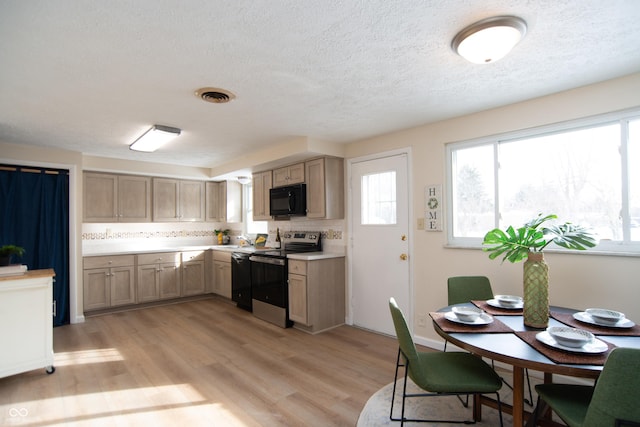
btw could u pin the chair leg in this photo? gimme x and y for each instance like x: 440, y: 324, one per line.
x: 540, y: 409
x: 395, y: 381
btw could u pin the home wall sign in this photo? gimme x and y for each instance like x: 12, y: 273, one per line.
x: 433, y: 207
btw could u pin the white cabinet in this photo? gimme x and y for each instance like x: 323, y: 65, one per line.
x: 26, y: 322
x: 325, y: 188
x: 177, y: 200
x: 193, y: 273
x: 222, y: 273
x: 224, y: 201
x: 116, y: 198
x: 262, y: 183
x: 158, y: 276
x: 317, y: 293
x: 288, y: 175
x: 108, y: 281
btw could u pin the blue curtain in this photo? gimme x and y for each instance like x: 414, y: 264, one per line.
x: 34, y: 214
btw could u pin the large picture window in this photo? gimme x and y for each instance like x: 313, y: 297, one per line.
x: 584, y: 172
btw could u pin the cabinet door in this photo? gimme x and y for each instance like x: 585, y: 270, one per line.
x: 298, y: 298
x: 192, y: 278
x: 261, y: 186
x: 97, y: 289
x: 122, y: 286
x: 214, y: 201
x: 148, y: 283
x: 226, y: 282
x: 296, y: 173
x: 134, y: 198
x: 192, y: 201
x: 100, y: 194
x: 165, y: 200
x: 280, y: 177
x: 222, y: 282
x: 293, y: 174
x: 315, y: 189
x: 169, y: 280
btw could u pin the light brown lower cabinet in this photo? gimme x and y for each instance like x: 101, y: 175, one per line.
x: 222, y: 273
x: 193, y: 273
x: 317, y: 293
x: 108, y: 281
x: 158, y: 276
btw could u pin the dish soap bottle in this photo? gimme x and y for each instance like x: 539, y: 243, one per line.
x: 278, y: 242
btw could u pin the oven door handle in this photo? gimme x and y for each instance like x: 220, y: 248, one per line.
x: 267, y: 260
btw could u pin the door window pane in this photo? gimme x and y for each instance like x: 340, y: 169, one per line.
x: 378, y: 198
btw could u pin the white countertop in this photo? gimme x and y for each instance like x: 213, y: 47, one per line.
x: 133, y: 250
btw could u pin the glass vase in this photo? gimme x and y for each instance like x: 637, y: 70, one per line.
x: 536, y: 291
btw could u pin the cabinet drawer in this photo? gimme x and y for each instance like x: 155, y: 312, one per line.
x: 160, y: 257
x: 222, y: 256
x: 193, y: 256
x: 298, y: 267
x: 108, y: 261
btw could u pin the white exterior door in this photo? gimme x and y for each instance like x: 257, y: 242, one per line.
x: 379, y: 249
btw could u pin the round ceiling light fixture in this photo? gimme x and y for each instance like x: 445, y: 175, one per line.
x: 490, y: 39
x: 215, y: 95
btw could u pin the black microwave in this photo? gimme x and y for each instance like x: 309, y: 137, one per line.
x: 289, y: 200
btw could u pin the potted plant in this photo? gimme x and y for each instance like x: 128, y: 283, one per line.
x: 7, y: 251
x: 529, y: 241
x: 223, y: 236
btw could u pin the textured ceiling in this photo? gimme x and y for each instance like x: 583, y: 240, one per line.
x: 92, y: 76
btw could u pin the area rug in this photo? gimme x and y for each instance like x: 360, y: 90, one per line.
x: 376, y: 410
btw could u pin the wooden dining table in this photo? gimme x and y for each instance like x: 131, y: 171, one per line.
x: 507, y: 340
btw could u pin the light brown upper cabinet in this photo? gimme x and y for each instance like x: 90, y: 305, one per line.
x: 325, y: 188
x: 177, y: 200
x: 288, y: 175
x: 262, y: 183
x: 116, y: 198
x: 224, y: 201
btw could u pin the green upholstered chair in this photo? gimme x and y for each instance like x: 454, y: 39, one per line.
x: 612, y: 401
x: 462, y: 289
x: 439, y: 373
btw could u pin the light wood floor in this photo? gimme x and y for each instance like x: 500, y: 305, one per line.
x: 201, y: 363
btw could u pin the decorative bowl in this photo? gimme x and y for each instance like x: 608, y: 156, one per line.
x: 570, y: 337
x: 604, y: 316
x: 467, y: 314
x: 508, y: 300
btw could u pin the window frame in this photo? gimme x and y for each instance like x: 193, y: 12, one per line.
x: 605, y: 247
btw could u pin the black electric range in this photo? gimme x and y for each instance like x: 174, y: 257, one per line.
x: 269, y: 273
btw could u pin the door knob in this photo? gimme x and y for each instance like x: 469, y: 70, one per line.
x: 403, y: 257
x: 404, y: 237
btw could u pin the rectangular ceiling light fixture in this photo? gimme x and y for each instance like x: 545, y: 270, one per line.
x: 154, y: 138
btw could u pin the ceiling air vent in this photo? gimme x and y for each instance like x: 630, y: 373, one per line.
x: 215, y: 95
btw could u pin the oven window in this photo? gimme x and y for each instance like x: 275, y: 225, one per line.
x: 268, y: 283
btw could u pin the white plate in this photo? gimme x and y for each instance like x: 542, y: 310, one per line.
x: 494, y: 303
x: 484, y: 319
x: 594, y: 347
x: 584, y: 317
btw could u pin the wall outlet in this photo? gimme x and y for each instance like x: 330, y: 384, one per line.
x: 422, y: 321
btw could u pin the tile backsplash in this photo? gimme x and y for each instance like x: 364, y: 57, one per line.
x: 149, y: 235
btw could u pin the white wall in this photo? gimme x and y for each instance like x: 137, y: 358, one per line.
x: 577, y: 280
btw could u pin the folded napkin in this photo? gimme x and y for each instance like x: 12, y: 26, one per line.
x: 565, y: 357
x: 567, y: 319
x: 448, y: 326
x: 496, y: 311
